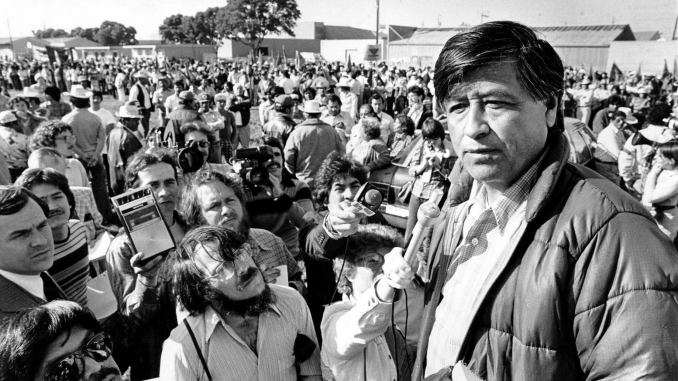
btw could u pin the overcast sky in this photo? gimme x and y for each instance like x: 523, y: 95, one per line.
x: 146, y: 15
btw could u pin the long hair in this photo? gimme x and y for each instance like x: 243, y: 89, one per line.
x: 26, y: 336
x: 539, y: 69
x: 189, y: 283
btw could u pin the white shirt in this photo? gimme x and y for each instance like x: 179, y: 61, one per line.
x: 610, y: 142
x: 386, y: 125
x: 30, y: 283
x: 134, y: 95
x: 105, y: 116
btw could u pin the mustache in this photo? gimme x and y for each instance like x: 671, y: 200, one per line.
x: 244, y: 279
x: 56, y: 212
x: 273, y: 165
x: 103, y: 373
x: 229, y: 216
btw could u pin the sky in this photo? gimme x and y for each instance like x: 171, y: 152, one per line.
x: 147, y: 15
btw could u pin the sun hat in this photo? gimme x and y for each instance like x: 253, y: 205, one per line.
x: 129, y: 111
x: 78, y: 91
x: 630, y: 119
x: 311, y: 107
x: 7, y: 117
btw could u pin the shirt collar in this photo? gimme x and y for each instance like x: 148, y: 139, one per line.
x: 509, y: 201
x: 257, y: 244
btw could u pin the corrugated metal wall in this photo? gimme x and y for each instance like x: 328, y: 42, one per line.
x: 413, y: 54
x: 584, y: 56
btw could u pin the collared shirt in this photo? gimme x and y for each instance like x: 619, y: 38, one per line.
x: 31, y: 283
x: 487, y: 233
x: 269, y: 249
x: 86, y: 210
x: 610, y: 142
x: 228, y: 357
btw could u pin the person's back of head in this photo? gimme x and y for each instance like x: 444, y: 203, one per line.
x: 46, y: 157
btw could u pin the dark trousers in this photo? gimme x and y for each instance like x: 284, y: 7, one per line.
x: 100, y: 189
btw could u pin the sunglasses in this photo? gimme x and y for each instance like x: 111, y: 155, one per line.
x: 201, y: 143
x: 71, y: 367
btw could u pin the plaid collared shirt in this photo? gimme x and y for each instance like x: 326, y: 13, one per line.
x: 86, y: 210
x: 487, y: 231
x: 269, y: 249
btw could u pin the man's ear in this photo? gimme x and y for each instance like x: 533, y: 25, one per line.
x: 551, y: 111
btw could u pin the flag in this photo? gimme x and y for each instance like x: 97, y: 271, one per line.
x: 260, y: 59
x: 277, y: 61
x: 616, y: 75
x: 349, y: 66
x: 638, y: 73
x: 299, y: 61
x: 284, y: 57
x: 675, y: 69
x: 592, y: 77
x: 666, y: 74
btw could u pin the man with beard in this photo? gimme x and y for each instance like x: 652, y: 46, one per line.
x: 71, y: 260
x: 240, y: 328
x: 26, y: 252
x: 215, y: 199
x: 59, y: 341
x: 138, y: 288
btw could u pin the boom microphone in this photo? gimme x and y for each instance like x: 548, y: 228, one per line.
x: 426, y: 216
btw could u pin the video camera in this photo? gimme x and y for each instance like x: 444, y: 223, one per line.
x: 189, y: 158
x: 252, y: 163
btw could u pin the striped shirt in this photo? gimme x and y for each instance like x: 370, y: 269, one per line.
x: 489, y: 231
x: 228, y: 357
x: 71, y: 263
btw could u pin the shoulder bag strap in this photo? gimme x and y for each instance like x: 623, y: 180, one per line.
x: 197, y: 348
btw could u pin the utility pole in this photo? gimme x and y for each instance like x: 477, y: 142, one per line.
x: 376, y: 38
x: 11, y: 43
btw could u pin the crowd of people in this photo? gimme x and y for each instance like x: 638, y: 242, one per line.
x: 538, y: 268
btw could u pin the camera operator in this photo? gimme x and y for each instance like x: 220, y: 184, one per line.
x: 198, y: 136
x: 185, y: 112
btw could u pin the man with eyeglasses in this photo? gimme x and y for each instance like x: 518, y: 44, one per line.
x: 57, y: 341
x: 240, y: 327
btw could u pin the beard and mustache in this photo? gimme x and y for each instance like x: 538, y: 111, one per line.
x: 253, y: 306
x: 243, y: 222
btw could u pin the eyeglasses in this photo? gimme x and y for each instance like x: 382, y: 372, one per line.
x: 226, y: 268
x: 66, y: 139
x: 71, y: 367
x: 200, y: 143
x: 373, y: 261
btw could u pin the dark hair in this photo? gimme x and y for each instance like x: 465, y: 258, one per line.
x: 311, y: 91
x: 275, y: 142
x: 333, y: 168
x: 619, y: 114
x: 417, y: 90
x: 368, y: 238
x: 538, y: 67
x: 33, y: 176
x: 669, y: 150
x: 334, y: 98
x: 432, y: 129
x: 80, y: 102
x: 407, y: 121
x: 615, y: 100
x: 46, y: 133
x: 53, y: 92
x: 371, y: 127
x: 142, y: 160
x: 658, y: 113
x: 99, y: 94
x: 189, y: 284
x: 190, y: 205
x: 27, y: 335
x: 16, y: 100
x: 14, y: 198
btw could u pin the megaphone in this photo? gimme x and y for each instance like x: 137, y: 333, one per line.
x: 640, y: 139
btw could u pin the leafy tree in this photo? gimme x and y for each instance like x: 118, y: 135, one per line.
x: 50, y: 33
x: 249, y: 21
x: 114, y: 33
x: 87, y: 33
x: 172, y: 29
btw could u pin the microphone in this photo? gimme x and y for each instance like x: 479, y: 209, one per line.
x: 367, y: 199
x: 372, y: 199
x: 426, y: 216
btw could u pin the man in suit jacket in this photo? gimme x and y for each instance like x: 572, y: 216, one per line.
x: 26, y: 252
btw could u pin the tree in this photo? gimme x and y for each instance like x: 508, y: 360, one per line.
x: 172, y: 30
x: 114, y: 33
x: 198, y: 29
x: 50, y: 33
x: 249, y: 21
x: 87, y: 33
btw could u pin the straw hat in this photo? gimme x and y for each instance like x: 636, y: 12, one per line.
x: 77, y: 91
